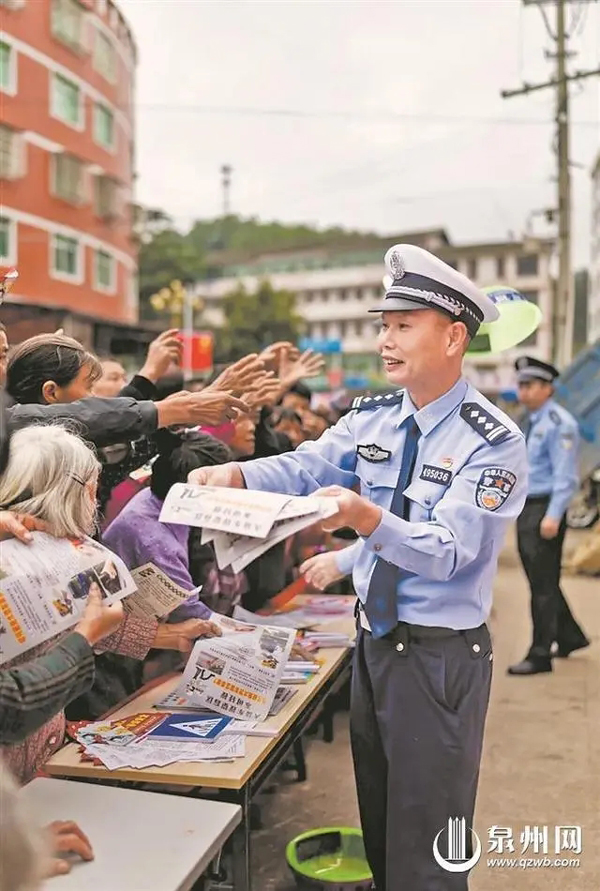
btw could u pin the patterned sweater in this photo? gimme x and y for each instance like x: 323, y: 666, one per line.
x: 72, y: 658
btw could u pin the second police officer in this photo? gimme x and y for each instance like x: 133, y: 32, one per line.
x: 552, y: 444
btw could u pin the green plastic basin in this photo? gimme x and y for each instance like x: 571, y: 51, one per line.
x: 329, y: 859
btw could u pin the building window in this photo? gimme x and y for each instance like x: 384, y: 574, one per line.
x: 133, y: 292
x: 500, y: 266
x: 308, y: 297
x: 105, y: 197
x: 105, y: 57
x: 12, y: 154
x: 343, y: 294
x: 7, y: 241
x: 8, y: 69
x: 66, y: 101
x: 68, y: 178
x: 527, y: 264
x: 343, y: 327
x: 104, y: 126
x: 361, y: 292
x: 324, y: 296
x: 472, y: 268
x: 65, y: 257
x: 105, y: 271
x: 67, y: 22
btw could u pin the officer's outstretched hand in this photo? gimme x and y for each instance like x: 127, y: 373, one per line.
x: 228, y: 475
x: 353, y: 510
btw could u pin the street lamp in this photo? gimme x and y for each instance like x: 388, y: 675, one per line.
x: 181, y: 304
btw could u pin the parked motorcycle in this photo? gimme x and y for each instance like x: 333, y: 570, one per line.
x: 584, y: 510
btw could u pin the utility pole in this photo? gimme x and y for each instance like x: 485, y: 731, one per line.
x: 564, y: 303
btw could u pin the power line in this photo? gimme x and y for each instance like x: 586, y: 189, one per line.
x: 564, y: 299
x: 336, y: 115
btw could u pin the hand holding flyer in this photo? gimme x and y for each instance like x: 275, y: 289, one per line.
x: 238, y: 673
x: 44, y: 587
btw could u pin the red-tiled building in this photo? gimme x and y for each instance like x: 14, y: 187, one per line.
x: 67, y: 70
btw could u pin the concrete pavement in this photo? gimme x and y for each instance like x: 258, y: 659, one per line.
x: 541, y: 764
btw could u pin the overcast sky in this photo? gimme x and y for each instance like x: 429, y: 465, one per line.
x: 373, y: 114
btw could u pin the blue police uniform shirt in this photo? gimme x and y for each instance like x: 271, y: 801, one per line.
x: 552, y: 450
x: 469, y: 482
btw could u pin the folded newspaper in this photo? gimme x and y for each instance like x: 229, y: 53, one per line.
x: 238, y: 673
x: 242, y: 523
x: 44, y: 588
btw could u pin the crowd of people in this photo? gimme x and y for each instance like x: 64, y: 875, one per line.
x: 88, y: 453
x: 426, y: 480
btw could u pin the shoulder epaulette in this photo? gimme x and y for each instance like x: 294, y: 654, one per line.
x: 489, y: 427
x: 554, y: 416
x: 365, y: 402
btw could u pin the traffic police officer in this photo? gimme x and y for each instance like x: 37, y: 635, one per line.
x: 442, y: 474
x: 552, y: 440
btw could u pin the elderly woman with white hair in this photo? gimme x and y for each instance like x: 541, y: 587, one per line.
x: 52, y: 475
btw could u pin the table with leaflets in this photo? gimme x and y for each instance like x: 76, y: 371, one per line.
x: 237, y: 781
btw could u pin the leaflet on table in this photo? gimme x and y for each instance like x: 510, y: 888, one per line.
x: 188, y: 728
x: 118, y: 732
x: 237, y: 674
x: 181, y: 702
x: 156, y: 594
x: 157, y: 754
x: 44, y: 587
x: 294, y: 619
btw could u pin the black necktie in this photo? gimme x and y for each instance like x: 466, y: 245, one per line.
x: 526, y: 426
x: 381, y: 605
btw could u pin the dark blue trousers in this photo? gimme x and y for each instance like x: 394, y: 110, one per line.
x: 417, y: 722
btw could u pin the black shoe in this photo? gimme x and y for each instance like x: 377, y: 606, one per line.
x: 563, y: 650
x: 531, y: 665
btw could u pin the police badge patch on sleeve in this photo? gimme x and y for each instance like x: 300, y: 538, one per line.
x: 494, y: 486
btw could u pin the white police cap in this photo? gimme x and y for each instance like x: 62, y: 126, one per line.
x: 417, y: 279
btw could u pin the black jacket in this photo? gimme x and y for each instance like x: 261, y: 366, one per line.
x: 101, y: 421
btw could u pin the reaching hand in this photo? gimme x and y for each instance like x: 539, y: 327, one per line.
x: 66, y: 838
x: 20, y: 526
x: 266, y: 392
x: 310, y: 364
x: 321, y: 570
x: 273, y: 355
x: 209, y: 407
x: 98, y: 618
x: 240, y: 376
x: 163, y: 352
x: 182, y: 635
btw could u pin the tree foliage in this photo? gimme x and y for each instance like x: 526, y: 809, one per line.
x: 167, y: 256
x: 211, y: 245
x: 253, y: 321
